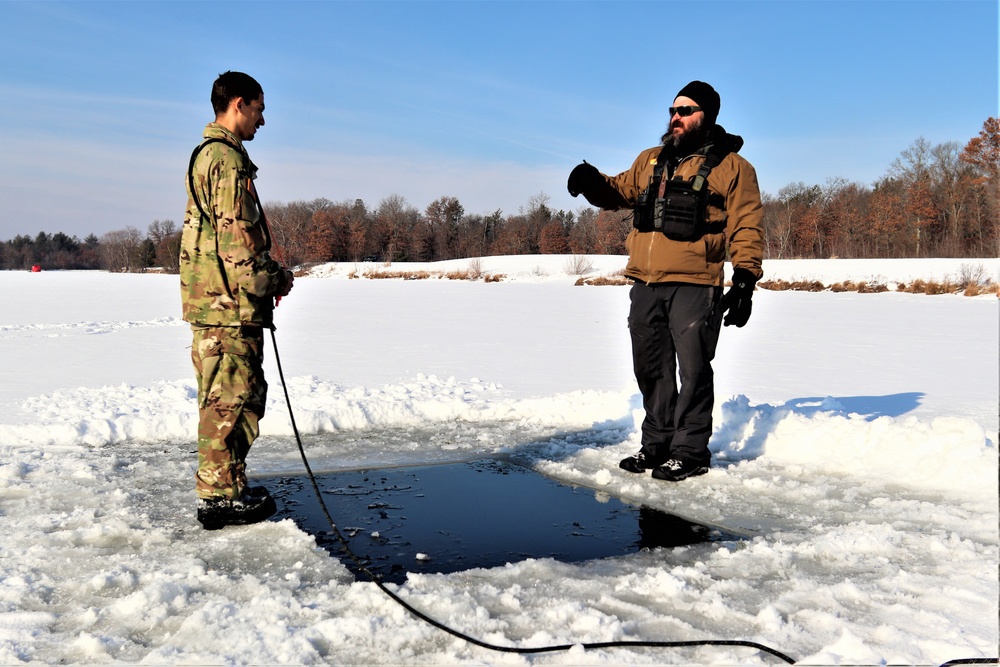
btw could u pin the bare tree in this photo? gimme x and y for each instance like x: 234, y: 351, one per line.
x: 357, y: 231
x: 120, y: 250
x: 166, y: 240
x: 290, y: 224
x: 393, y: 221
x: 983, y: 154
x: 444, y: 217
x: 582, y: 237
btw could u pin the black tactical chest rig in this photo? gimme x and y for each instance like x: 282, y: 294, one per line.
x: 674, y: 206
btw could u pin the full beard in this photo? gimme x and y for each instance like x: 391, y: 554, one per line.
x: 684, y: 143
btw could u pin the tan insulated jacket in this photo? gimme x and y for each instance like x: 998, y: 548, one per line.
x: 733, y: 216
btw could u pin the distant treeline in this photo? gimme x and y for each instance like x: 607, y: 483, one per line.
x: 121, y: 250
x: 935, y: 201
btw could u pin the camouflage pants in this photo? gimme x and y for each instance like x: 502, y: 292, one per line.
x: 231, y: 397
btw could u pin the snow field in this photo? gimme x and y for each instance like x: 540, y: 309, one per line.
x: 854, y: 447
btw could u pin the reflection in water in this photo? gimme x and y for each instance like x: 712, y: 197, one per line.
x: 659, y: 529
x: 458, y: 516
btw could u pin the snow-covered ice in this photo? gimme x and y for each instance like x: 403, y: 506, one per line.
x: 855, y: 441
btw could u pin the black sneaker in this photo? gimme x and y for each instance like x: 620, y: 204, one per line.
x: 216, y: 513
x: 638, y: 463
x: 675, y: 471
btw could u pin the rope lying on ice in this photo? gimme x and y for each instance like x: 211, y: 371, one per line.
x: 359, y: 562
x: 456, y: 633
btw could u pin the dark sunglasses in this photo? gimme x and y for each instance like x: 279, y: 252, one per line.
x: 683, y: 112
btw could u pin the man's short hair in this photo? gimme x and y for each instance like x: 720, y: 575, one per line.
x: 231, y: 85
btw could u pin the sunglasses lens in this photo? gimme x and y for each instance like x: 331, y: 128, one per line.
x: 683, y: 112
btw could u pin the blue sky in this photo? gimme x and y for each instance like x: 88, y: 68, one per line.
x: 489, y: 102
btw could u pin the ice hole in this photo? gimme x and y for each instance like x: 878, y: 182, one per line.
x: 481, y: 514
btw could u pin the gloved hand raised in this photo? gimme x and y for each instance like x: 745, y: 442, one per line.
x: 583, y: 179
x: 587, y: 181
x: 736, y: 303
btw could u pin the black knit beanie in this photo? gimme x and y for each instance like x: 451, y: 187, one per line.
x: 705, y: 96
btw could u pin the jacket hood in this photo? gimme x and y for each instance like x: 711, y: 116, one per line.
x: 718, y: 136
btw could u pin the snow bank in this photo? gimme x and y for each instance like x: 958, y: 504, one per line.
x: 539, y: 268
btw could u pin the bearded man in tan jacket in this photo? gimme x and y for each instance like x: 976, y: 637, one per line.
x: 694, y: 202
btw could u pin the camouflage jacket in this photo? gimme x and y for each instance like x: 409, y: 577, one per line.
x: 228, y: 277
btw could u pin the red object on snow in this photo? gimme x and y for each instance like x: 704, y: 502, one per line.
x: 37, y: 268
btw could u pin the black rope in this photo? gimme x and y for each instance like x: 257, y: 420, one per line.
x: 360, y: 563
x: 517, y: 649
x: 456, y: 633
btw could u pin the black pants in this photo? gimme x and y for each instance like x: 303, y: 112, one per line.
x: 675, y: 328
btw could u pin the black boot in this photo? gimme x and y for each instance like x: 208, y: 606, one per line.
x: 253, y: 505
x: 638, y: 463
x: 675, y: 471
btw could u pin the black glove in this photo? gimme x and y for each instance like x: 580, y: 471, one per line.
x: 736, y: 302
x: 583, y: 179
x: 587, y: 181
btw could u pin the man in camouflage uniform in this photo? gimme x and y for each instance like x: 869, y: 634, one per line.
x: 228, y: 287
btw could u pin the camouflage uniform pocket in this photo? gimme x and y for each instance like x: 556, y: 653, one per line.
x: 227, y: 362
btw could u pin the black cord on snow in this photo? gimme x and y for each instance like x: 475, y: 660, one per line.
x: 377, y: 580
x: 519, y: 649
